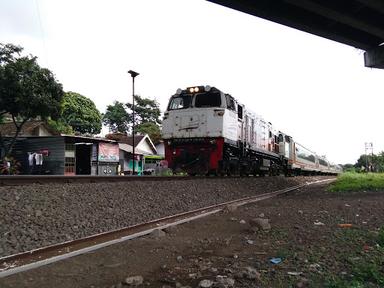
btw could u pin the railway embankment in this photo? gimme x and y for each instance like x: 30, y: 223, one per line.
x: 314, y: 238
x: 38, y: 215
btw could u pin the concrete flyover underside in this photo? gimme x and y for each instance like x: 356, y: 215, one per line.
x: 358, y: 23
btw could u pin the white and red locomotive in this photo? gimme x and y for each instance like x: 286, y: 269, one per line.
x: 207, y: 131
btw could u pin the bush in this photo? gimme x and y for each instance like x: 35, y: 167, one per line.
x: 10, y: 166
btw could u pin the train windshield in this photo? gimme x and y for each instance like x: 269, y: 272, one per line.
x: 208, y: 100
x: 180, y: 102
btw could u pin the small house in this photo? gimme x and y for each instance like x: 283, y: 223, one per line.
x: 55, y: 154
x: 143, y: 147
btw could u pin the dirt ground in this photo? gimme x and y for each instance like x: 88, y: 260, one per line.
x: 224, y: 250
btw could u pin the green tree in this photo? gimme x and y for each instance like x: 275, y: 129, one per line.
x: 146, y: 110
x: 379, y: 162
x: 375, y: 162
x: 362, y: 162
x: 27, y: 91
x: 348, y: 167
x: 80, y: 113
x: 117, y: 118
x: 60, y: 126
x: 150, y: 128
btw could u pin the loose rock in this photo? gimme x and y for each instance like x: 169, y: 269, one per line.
x: 230, y: 208
x: 134, y: 280
x: 157, y: 233
x: 224, y: 282
x: 206, y: 283
x: 260, y: 223
x: 249, y: 273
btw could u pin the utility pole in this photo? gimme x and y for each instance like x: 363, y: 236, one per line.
x: 368, y: 149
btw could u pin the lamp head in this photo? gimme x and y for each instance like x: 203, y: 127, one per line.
x: 133, y: 73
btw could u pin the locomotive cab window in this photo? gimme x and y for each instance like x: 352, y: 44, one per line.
x: 208, y: 100
x: 287, y: 139
x: 240, y: 112
x: 230, y: 102
x: 181, y: 102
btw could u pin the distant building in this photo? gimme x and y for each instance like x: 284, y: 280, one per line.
x: 160, y: 148
x: 143, y: 147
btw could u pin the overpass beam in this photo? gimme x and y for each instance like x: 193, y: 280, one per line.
x: 374, y: 58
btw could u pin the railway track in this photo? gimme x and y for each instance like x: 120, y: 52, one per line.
x: 32, y: 259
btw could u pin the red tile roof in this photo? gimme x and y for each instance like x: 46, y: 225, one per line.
x: 28, y: 129
x: 122, y: 138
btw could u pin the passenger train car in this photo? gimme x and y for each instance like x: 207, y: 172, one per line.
x: 207, y: 131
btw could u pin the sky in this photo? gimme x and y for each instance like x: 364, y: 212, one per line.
x: 314, y: 89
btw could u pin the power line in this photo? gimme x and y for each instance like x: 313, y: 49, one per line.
x: 42, y: 34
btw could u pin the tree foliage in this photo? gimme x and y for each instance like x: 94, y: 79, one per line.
x: 348, y: 167
x: 146, y: 110
x: 80, y: 113
x: 150, y: 128
x: 118, y: 117
x: 27, y: 91
x: 371, y: 162
x: 60, y: 126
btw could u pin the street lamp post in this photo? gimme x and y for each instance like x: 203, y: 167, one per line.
x: 133, y: 75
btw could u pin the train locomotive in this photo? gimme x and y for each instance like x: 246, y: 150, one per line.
x: 206, y: 131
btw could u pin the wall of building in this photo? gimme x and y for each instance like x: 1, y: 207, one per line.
x: 42, y: 131
x: 53, y: 163
x: 145, y: 147
x: 49, y: 149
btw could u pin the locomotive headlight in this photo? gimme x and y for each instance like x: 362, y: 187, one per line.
x: 193, y: 89
x: 207, y: 88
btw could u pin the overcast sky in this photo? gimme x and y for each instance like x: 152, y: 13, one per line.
x: 314, y: 89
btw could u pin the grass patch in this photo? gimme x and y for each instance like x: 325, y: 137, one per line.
x: 358, y: 182
x: 368, y: 268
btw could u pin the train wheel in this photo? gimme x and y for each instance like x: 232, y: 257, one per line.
x: 223, y: 167
x: 212, y: 172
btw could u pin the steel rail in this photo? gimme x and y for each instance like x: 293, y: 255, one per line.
x: 24, y: 261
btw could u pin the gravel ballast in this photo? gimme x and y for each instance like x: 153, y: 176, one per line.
x: 34, y: 216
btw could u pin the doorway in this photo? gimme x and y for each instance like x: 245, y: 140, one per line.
x: 83, y: 158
